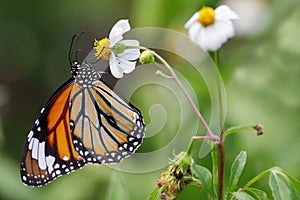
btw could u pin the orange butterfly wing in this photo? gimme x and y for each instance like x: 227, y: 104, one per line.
x: 48, y: 151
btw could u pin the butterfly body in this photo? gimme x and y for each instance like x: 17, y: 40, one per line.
x: 83, y: 122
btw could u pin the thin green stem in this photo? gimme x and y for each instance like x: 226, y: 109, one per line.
x: 189, y: 148
x: 182, y: 88
x: 216, y: 58
x: 258, y: 177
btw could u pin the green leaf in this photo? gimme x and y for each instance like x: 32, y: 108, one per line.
x: 293, y: 183
x: 259, y: 194
x: 280, y: 190
x: 155, y: 194
x: 205, y: 177
x: 242, y: 196
x: 236, y: 170
x: 237, y: 129
x: 116, y: 189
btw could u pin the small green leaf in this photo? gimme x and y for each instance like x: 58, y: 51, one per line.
x: 242, y: 196
x: 259, y: 194
x: 155, y: 194
x: 280, y: 190
x: 237, y: 129
x: 293, y: 183
x: 236, y: 170
x: 205, y: 177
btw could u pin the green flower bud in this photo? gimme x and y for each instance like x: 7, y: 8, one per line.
x: 147, y: 57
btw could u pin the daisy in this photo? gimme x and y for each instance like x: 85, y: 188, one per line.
x: 120, y: 53
x: 211, y: 28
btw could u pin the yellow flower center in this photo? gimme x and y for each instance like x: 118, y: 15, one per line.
x: 102, y: 48
x: 206, y: 16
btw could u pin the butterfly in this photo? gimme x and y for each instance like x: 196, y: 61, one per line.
x: 83, y: 122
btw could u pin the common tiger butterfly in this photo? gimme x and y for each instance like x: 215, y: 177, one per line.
x: 83, y: 122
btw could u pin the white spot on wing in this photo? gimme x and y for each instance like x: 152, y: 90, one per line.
x: 65, y: 158
x: 50, y: 161
x: 135, y: 143
x: 30, y: 134
x: 35, y: 148
x: 42, y: 158
x: 30, y: 144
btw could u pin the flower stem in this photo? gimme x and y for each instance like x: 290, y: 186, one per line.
x: 221, y: 164
x: 216, y: 58
x: 220, y: 147
x: 215, y: 172
x: 186, y: 94
x: 189, y: 148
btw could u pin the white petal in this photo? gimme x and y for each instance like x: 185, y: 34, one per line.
x: 224, y: 13
x: 226, y: 27
x: 214, y: 38
x: 115, y: 36
x: 130, y: 54
x: 114, y: 67
x: 217, y: 34
x: 130, y: 42
x: 192, y: 20
x: 117, y: 31
x: 203, y: 38
x: 125, y: 65
x: 194, y: 30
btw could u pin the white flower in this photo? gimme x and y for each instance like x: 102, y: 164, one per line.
x: 211, y: 28
x: 119, y: 52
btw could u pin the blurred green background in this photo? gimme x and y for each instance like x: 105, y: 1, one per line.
x: 260, y: 68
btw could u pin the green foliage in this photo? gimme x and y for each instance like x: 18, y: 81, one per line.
x: 205, y: 177
x: 155, y: 194
x: 258, y: 194
x: 236, y: 171
x: 279, y: 189
x: 242, y: 196
x: 283, y: 186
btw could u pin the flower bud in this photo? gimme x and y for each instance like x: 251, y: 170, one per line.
x: 147, y: 57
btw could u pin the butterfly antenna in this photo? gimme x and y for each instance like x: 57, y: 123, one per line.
x: 71, y: 49
x: 74, y: 43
